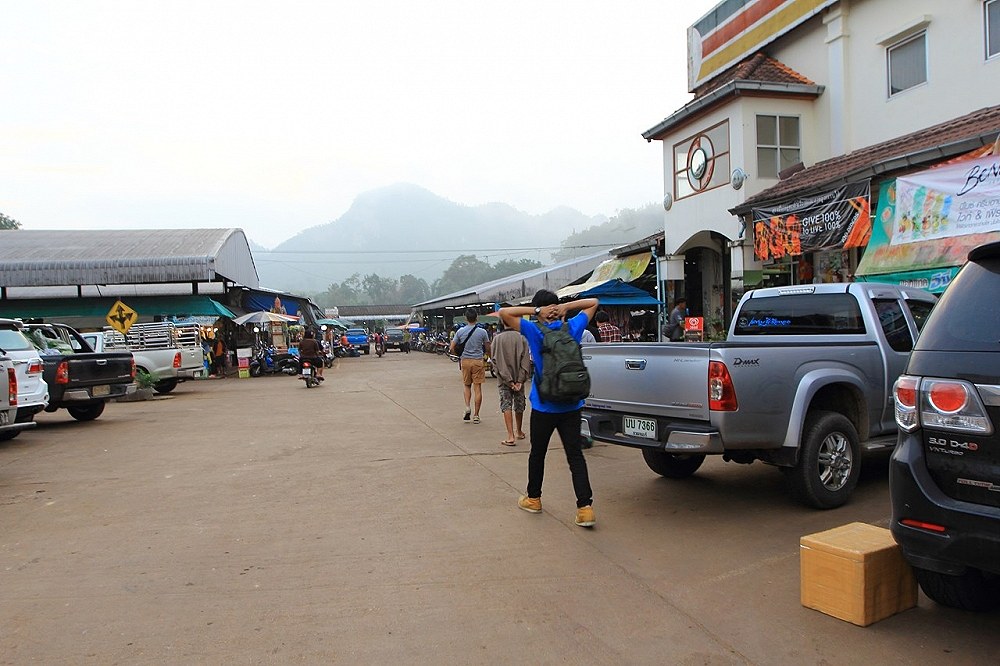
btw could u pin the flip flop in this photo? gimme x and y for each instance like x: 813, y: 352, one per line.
x: 509, y: 442
x: 521, y: 436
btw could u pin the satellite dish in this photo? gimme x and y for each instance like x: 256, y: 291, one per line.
x: 668, y: 201
x: 739, y: 177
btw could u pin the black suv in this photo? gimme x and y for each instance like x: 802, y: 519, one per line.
x: 393, y: 338
x: 944, y: 479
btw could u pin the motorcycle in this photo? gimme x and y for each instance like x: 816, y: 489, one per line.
x: 269, y: 362
x: 308, y: 373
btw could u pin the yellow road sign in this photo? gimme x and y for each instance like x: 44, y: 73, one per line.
x: 121, y: 317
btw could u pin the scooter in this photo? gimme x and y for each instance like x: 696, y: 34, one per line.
x: 308, y: 373
x: 269, y: 362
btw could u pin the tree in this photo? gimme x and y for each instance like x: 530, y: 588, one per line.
x: 8, y: 222
x: 347, y: 292
x: 413, y: 290
x: 379, y: 289
x: 506, y: 267
x: 465, y: 271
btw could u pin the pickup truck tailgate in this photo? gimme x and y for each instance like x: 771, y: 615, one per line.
x: 86, y: 369
x: 661, y: 379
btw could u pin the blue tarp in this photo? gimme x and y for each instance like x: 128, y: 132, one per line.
x: 616, y: 292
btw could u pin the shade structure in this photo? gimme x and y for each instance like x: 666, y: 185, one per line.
x: 264, y: 317
x: 611, y: 292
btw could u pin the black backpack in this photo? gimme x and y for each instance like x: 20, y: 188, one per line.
x: 564, y: 377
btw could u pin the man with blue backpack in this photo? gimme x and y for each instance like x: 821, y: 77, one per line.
x: 559, y: 385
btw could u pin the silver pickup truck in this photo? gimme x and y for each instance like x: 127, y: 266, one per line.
x: 803, y: 381
x: 9, y: 426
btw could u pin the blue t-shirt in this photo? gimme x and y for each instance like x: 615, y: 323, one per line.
x: 534, y: 337
x: 475, y: 339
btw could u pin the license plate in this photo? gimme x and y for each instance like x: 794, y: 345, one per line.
x: 307, y: 371
x: 100, y: 390
x: 636, y: 427
x: 4, y: 419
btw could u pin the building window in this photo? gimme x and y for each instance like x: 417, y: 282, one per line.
x: 778, y: 144
x: 992, y: 22
x: 701, y: 162
x: 907, y: 63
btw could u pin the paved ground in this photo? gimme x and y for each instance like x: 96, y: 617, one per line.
x: 255, y: 521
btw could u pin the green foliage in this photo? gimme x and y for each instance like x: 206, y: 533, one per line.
x: 8, y: 222
x: 628, y: 226
x: 143, y: 379
x: 468, y: 271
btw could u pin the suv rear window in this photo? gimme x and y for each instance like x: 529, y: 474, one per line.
x: 967, y: 319
x: 13, y: 340
x: 800, y: 314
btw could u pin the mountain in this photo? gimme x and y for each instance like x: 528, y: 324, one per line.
x: 404, y: 229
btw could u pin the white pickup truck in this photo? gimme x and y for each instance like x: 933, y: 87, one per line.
x: 803, y: 381
x: 169, y: 353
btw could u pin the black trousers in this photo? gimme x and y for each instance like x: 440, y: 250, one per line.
x: 568, y: 424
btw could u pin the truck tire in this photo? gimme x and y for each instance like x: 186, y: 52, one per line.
x: 971, y: 591
x: 829, y: 461
x: 672, y: 465
x: 86, y: 412
x: 8, y: 435
x: 165, y: 385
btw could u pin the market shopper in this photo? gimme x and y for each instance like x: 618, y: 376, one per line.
x: 547, y: 416
x: 512, y: 361
x: 476, y: 345
x: 310, y: 350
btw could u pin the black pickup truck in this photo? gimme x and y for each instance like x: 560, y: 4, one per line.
x: 80, y: 379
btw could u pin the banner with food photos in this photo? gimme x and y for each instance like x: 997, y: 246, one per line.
x: 839, y: 218
x: 952, y: 200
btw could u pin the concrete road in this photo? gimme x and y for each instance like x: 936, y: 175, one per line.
x: 256, y: 521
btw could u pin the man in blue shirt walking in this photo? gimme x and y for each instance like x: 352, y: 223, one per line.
x: 547, y: 416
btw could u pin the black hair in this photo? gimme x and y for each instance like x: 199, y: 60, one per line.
x: 602, y: 316
x: 471, y: 315
x: 680, y: 300
x: 544, y: 297
x: 310, y: 334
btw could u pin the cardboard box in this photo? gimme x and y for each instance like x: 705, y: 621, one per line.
x: 857, y: 573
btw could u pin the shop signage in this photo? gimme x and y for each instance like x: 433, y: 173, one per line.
x: 836, y: 219
x: 953, y: 200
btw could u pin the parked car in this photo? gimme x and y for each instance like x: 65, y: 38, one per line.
x: 79, y: 379
x: 803, y: 381
x: 32, y: 391
x: 944, y: 477
x: 168, y: 352
x: 393, y: 338
x: 9, y: 427
x: 358, y: 338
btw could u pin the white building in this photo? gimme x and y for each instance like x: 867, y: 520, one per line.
x: 825, y: 93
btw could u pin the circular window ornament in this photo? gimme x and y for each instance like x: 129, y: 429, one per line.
x: 701, y: 162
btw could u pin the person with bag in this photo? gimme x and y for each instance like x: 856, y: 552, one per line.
x: 674, y: 330
x: 560, y: 383
x: 471, y: 344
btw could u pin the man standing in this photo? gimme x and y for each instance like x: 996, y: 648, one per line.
x: 513, y: 366
x: 476, y: 344
x: 675, y: 324
x: 547, y: 416
x: 609, y: 332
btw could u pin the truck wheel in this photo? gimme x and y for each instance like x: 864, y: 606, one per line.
x: 8, y: 435
x: 972, y: 591
x: 829, y: 462
x: 165, y: 385
x: 672, y: 465
x: 87, y: 412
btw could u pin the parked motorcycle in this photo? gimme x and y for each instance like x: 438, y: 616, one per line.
x: 308, y: 373
x: 268, y: 361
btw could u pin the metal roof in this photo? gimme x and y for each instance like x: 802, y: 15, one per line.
x: 521, y: 285
x: 35, y: 258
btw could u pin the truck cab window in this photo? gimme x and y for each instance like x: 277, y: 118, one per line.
x: 893, y: 322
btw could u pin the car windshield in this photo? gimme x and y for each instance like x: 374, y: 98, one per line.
x: 963, y: 320
x: 13, y: 340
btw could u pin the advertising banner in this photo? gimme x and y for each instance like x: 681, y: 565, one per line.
x: 954, y: 200
x: 928, y: 264
x: 836, y: 219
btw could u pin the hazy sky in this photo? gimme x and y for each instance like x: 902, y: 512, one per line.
x: 273, y: 116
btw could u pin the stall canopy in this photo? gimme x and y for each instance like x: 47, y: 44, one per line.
x: 146, y: 306
x: 610, y: 292
x: 927, y: 223
x: 621, y: 269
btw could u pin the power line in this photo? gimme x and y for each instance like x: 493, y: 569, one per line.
x: 444, y: 251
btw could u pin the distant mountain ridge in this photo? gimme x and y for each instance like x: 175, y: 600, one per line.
x: 405, y: 229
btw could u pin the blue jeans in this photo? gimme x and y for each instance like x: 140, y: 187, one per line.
x: 568, y: 425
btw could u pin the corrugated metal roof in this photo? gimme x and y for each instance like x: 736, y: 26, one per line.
x: 36, y: 258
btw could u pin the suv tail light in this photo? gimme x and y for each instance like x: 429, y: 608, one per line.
x: 35, y: 367
x: 940, y: 404
x: 177, y: 360
x: 62, y: 373
x: 12, y: 386
x: 721, y: 393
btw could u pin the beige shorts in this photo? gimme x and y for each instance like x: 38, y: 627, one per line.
x: 473, y: 371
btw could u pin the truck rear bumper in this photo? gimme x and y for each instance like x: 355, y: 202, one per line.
x: 671, y: 436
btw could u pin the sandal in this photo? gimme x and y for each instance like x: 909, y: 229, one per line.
x: 475, y: 419
x: 521, y: 435
x: 508, y: 442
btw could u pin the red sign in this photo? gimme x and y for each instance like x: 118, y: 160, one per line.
x: 694, y: 324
